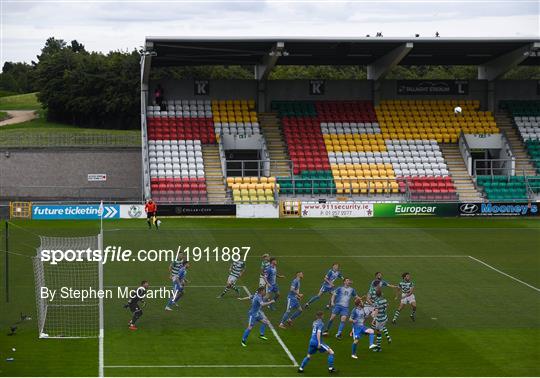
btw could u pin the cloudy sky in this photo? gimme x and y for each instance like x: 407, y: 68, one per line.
x: 106, y: 25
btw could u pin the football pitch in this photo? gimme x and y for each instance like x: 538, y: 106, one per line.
x: 477, y: 290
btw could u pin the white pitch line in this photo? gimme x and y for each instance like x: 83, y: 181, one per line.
x: 504, y: 274
x: 187, y: 286
x: 331, y: 228
x: 369, y: 256
x: 194, y: 366
x: 280, y: 341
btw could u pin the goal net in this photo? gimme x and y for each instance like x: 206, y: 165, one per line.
x: 65, y: 316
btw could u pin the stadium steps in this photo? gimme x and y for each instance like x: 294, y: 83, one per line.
x: 215, y: 182
x: 523, y: 163
x: 276, y: 144
x: 462, y: 180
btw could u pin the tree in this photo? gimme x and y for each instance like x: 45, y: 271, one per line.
x: 89, y: 89
x: 17, y: 77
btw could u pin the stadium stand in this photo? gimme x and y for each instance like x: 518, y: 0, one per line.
x: 371, y: 155
x: 415, y: 130
x: 177, y: 170
x: 176, y: 137
x: 533, y: 148
x: 433, y: 119
x: 252, y: 189
x: 500, y: 188
x: 336, y: 147
x: 309, y: 183
x: 235, y: 117
x: 526, y: 117
x: 182, y: 120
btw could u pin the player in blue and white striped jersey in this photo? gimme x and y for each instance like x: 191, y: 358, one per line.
x: 358, y: 317
x: 293, y: 301
x: 328, y: 284
x: 316, y: 345
x: 178, y: 278
x: 255, y: 314
x: 341, y: 298
x: 271, y: 276
x: 174, y: 268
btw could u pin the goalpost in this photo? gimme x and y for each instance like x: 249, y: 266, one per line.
x: 70, y: 317
x: 67, y: 317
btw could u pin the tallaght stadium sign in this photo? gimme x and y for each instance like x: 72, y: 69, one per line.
x: 432, y: 87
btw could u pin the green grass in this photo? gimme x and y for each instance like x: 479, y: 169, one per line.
x: 4, y: 93
x: 41, y: 123
x: 27, y: 101
x: 40, y: 132
x: 3, y: 116
x: 471, y: 320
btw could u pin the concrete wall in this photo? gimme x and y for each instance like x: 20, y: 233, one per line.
x: 62, y: 174
x: 340, y: 90
x: 334, y: 90
x: 219, y: 89
x: 516, y: 90
x: 477, y: 91
x: 235, y: 142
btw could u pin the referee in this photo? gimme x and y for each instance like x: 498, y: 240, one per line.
x: 133, y: 304
x: 151, y: 213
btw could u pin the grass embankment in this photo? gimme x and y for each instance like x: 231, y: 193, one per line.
x: 27, y: 101
x: 40, y: 132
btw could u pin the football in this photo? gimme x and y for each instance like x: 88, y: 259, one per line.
x: 458, y: 110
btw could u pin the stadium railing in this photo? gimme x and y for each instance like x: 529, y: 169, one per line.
x: 258, y: 168
x: 379, y: 189
x: 500, y: 183
x: 465, y: 151
x: 494, y: 167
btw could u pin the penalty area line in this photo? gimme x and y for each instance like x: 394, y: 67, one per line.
x: 504, y: 274
x: 159, y: 286
x: 192, y: 366
x: 370, y: 256
x: 278, y: 338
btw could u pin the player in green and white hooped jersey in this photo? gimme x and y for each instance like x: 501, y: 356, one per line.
x: 381, y: 317
x: 378, y: 281
x: 407, y: 296
x: 235, y: 272
x: 174, y: 268
x: 265, y: 263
